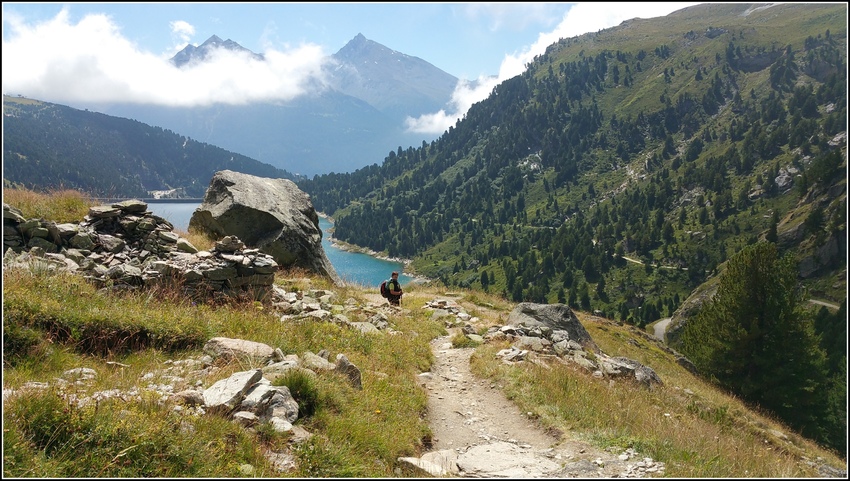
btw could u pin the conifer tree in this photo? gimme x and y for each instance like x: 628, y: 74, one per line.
x: 753, y: 339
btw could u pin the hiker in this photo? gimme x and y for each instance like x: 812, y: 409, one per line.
x: 394, y: 288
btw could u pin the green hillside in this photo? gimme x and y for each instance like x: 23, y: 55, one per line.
x: 664, y: 151
x: 49, y: 146
x: 622, y: 170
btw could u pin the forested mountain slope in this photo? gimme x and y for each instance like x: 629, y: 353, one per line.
x: 50, y: 146
x: 625, y: 167
x: 672, y: 141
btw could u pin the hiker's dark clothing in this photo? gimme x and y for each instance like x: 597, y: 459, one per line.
x: 393, y: 285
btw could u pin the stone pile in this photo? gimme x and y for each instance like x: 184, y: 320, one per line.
x: 123, y: 244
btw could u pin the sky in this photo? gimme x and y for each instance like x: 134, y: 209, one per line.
x: 89, y: 54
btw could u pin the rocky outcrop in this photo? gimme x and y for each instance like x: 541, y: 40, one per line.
x: 691, y: 307
x: 272, y: 215
x: 123, y: 245
x: 558, y: 320
x: 547, y: 329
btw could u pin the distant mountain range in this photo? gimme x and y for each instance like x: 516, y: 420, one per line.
x: 354, y: 123
x: 52, y: 147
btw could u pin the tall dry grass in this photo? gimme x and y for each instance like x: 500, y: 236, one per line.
x: 62, y: 205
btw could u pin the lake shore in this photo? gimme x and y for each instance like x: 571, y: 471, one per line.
x: 344, y: 246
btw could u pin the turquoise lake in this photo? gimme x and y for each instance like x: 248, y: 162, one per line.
x: 352, y: 267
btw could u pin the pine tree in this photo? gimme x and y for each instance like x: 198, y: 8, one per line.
x: 772, y: 235
x: 753, y: 339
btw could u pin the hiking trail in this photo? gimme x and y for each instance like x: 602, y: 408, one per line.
x: 478, y: 432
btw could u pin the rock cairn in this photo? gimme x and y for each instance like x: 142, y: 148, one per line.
x: 125, y: 245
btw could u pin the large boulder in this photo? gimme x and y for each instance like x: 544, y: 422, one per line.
x: 553, y: 317
x: 272, y: 215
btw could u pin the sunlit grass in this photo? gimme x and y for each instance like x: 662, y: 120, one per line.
x: 362, y: 431
x: 200, y: 240
x: 696, y: 430
x: 48, y: 436
x: 59, y: 206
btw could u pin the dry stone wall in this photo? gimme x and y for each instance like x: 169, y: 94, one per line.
x: 125, y: 245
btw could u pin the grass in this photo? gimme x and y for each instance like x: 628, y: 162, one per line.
x: 696, y: 430
x: 72, y: 325
x: 60, y: 206
x: 53, y: 322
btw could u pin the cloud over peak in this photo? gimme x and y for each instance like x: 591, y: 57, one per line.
x: 90, y: 61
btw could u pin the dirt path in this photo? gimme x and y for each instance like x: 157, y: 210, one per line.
x: 466, y: 411
x: 478, y: 433
x: 483, y: 434
x: 661, y: 327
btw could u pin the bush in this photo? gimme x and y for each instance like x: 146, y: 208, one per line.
x: 459, y: 340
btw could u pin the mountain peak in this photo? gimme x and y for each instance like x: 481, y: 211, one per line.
x: 395, y: 83
x: 213, y: 40
x: 358, y: 45
x: 191, y: 53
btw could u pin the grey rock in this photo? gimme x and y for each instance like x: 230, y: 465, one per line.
x: 315, y: 362
x: 245, y: 418
x: 12, y: 213
x: 238, y: 348
x: 273, y: 215
x: 226, y: 394
x: 553, y: 317
x: 349, y: 370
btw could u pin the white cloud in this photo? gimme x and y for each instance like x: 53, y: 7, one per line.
x: 512, y: 16
x: 91, y: 62
x: 580, y: 19
x: 182, y: 33
x: 466, y: 93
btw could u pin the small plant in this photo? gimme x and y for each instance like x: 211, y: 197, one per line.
x: 303, y: 388
x: 269, y: 436
x: 198, y: 239
x: 19, y: 342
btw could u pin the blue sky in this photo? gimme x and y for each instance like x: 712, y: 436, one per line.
x: 88, y: 54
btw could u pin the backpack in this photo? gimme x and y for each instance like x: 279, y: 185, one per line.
x: 384, y: 291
